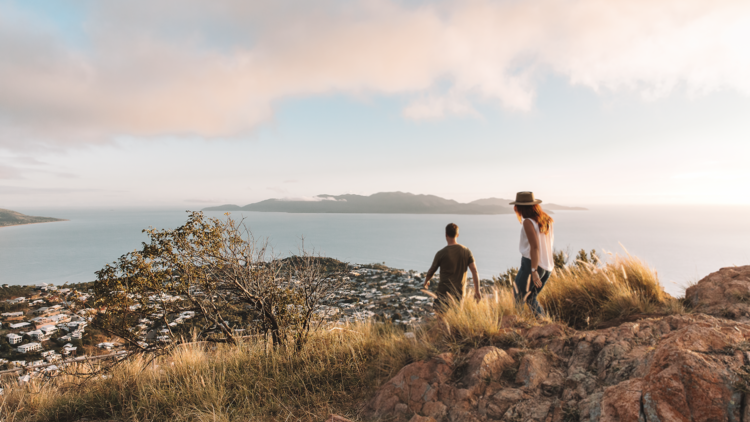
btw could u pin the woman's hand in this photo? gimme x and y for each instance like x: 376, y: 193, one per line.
x: 477, y: 295
x: 535, y: 278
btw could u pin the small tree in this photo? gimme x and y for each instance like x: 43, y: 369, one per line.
x: 215, y: 271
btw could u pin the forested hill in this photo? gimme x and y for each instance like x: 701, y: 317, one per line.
x: 13, y: 218
x: 383, y: 203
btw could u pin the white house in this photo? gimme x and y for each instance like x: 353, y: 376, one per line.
x: 14, y: 338
x: 77, y: 335
x: 48, y: 330
x: 19, y: 325
x: 47, y: 353
x: 29, y: 347
x: 106, y: 346
x: 11, y: 314
x: 16, y: 300
x: 37, y: 335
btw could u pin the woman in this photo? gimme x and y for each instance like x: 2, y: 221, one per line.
x: 537, y: 237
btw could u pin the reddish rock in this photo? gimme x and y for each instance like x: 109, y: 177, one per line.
x: 725, y: 293
x: 499, y: 403
x: 434, y: 409
x: 544, y: 331
x: 413, y: 386
x: 487, y: 363
x: 533, y: 370
x: 677, y: 368
x: 622, y: 402
x: 417, y: 418
x: 688, y: 381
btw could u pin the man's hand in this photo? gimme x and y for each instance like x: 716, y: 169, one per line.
x: 477, y: 295
x: 535, y: 278
x: 426, y: 284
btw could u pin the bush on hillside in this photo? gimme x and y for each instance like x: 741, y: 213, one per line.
x: 215, y: 269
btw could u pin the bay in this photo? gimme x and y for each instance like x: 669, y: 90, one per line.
x: 683, y: 243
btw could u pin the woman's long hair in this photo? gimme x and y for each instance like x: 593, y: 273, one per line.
x: 536, y: 213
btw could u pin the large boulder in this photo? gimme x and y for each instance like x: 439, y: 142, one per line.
x: 725, y: 293
x: 412, y: 390
x: 486, y: 364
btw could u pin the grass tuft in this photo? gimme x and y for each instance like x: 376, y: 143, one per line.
x: 585, y: 294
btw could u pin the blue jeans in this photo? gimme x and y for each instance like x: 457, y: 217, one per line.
x: 524, y: 289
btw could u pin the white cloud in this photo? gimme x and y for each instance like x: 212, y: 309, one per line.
x: 217, y: 68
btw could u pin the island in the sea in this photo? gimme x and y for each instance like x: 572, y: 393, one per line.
x: 384, y: 203
x: 14, y: 218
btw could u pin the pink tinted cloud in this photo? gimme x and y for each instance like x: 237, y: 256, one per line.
x: 217, y: 69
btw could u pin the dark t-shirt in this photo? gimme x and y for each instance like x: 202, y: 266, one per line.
x: 453, y: 261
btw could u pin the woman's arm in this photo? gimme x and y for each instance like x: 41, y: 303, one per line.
x: 528, y: 227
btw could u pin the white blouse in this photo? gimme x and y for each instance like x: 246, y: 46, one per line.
x: 546, y: 261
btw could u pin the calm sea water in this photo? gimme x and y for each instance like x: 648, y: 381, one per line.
x: 683, y: 244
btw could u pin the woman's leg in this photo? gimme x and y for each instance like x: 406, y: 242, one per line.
x: 533, y: 303
x: 521, y: 285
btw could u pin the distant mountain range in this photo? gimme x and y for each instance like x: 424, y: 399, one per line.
x: 13, y: 218
x: 384, y: 203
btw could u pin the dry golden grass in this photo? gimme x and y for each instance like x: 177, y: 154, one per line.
x: 586, y: 295
x: 335, y: 372
x: 339, y: 369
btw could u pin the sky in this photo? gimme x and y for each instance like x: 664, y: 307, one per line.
x: 192, y: 103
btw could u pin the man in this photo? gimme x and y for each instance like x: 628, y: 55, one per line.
x: 453, y: 260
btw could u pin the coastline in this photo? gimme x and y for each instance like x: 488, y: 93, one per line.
x: 36, y: 222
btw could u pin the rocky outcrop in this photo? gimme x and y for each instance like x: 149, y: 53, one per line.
x: 675, y: 368
x: 693, y: 367
x: 725, y: 293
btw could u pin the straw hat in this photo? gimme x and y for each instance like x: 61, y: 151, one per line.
x: 526, y: 198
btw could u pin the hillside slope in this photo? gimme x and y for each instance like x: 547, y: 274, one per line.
x: 14, y: 218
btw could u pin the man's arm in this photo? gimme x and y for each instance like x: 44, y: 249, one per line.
x: 431, y: 271
x: 475, y: 276
x: 528, y: 227
x: 428, y: 277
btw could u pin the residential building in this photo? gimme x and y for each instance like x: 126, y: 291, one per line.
x: 16, y: 300
x: 37, y: 335
x: 48, y: 330
x: 29, y: 347
x: 19, y: 325
x: 11, y: 314
x: 15, y: 318
x: 14, y: 338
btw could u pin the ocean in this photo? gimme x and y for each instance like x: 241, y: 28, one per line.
x: 682, y: 243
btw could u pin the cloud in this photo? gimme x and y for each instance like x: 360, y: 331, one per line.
x: 435, y: 107
x: 9, y: 172
x: 217, y: 69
